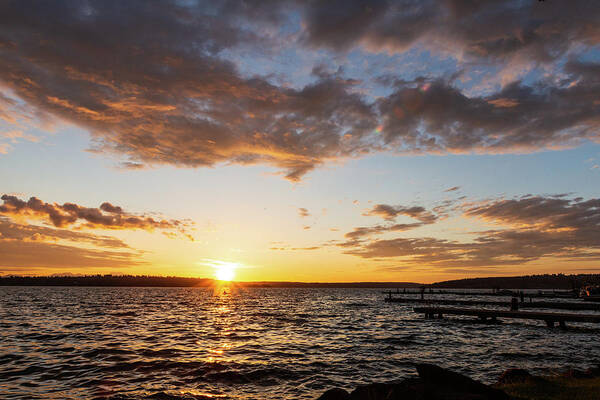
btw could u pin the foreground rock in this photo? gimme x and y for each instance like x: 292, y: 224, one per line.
x: 573, y: 384
x: 513, y: 376
x: 433, y: 383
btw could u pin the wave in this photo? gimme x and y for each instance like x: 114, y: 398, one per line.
x: 121, y: 344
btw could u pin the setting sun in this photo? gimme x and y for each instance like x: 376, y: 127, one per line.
x: 225, y: 272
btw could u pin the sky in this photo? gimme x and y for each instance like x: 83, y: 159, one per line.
x: 300, y: 140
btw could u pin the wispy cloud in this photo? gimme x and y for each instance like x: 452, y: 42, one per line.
x: 529, y: 228
x: 452, y: 189
x: 286, y: 248
x: 30, y: 247
x: 303, y: 212
x: 390, y: 213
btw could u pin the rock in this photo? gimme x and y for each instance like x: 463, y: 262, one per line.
x: 409, y: 389
x: 444, y: 384
x: 576, y: 373
x: 374, y: 391
x: 433, y: 383
x: 335, y: 394
x: 593, y: 372
x: 514, y: 375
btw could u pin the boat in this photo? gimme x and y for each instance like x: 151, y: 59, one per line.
x: 590, y: 293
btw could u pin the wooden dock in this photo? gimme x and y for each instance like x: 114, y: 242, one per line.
x: 567, y: 294
x: 548, y: 317
x: 506, y: 304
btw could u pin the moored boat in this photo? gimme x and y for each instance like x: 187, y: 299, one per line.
x: 590, y: 293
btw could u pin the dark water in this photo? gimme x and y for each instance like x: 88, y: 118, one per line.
x: 130, y: 343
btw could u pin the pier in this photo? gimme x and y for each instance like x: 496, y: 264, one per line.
x: 560, y: 294
x: 526, y: 304
x: 549, y: 317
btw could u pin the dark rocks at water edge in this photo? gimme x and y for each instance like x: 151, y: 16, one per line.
x: 514, y: 375
x: 433, y: 383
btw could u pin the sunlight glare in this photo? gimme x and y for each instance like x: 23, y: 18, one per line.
x: 225, y: 272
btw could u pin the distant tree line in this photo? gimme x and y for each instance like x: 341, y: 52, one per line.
x: 104, y: 280
x: 171, y: 281
x: 546, y: 281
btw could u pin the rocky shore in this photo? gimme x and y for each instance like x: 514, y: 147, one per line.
x: 436, y: 383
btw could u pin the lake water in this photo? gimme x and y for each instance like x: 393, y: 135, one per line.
x: 131, y: 343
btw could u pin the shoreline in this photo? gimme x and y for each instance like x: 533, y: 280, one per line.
x: 436, y: 383
x: 525, y: 282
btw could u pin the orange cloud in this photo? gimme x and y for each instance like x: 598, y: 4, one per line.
x: 389, y: 213
x: 303, y: 212
x: 30, y: 247
x: 149, y: 94
x: 538, y: 227
x: 107, y: 216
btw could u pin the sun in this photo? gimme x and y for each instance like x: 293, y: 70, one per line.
x: 222, y: 270
x: 225, y: 272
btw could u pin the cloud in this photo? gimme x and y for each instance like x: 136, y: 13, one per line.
x: 285, y: 248
x: 419, y: 250
x: 542, y: 213
x: 107, y: 216
x: 10, y: 231
x: 303, y: 212
x: 30, y: 247
x: 390, y: 213
x: 438, y: 118
x: 508, y: 247
x: 534, y: 228
x: 146, y: 79
x: 127, y: 165
x: 156, y: 82
x: 13, y: 135
x: 41, y: 255
x: 362, y: 231
x: 539, y: 31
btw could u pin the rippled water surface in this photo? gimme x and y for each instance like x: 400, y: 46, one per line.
x: 130, y: 343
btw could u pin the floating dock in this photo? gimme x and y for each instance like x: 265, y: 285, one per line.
x: 567, y: 294
x: 549, y: 317
x: 526, y: 304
